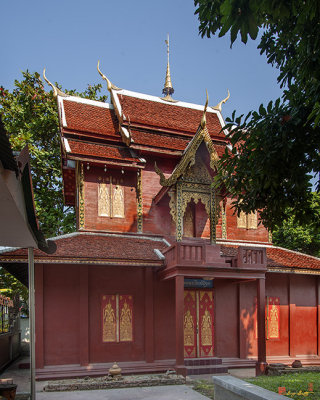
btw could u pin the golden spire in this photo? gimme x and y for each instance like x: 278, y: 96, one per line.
x: 168, y: 88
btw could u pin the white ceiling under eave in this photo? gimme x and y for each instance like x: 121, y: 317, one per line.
x: 14, y: 227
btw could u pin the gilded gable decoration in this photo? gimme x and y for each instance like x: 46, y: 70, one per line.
x: 191, y: 180
x: 188, y: 157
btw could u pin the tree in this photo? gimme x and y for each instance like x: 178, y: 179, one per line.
x: 11, y: 287
x: 304, y: 238
x: 276, y: 148
x: 30, y: 116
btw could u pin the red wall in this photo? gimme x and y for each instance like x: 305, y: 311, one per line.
x: 61, y: 314
x: 95, y: 222
x: 68, y: 315
x: 226, y: 319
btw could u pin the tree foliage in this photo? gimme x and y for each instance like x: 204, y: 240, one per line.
x: 304, y: 238
x: 275, y: 148
x: 30, y: 116
x: 11, y: 287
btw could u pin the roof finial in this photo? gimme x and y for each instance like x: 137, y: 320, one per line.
x: 56, y: 90
x: 109, y: 84
x: 168, y: 88
x: 204, y: 119
x: 218, y: 107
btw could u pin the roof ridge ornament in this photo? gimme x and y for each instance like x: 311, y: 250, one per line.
x: 56, y: 91
x: 204, y: 119
x: 109, y: 84
x: 168, y: 88
x: 218, y: 107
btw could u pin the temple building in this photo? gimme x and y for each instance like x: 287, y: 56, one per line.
x: 161, y: 273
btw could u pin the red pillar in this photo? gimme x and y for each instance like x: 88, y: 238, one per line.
x: 261, y: 364
x: 179, y: 283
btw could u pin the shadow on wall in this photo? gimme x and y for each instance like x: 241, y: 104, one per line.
x: 248, y: 331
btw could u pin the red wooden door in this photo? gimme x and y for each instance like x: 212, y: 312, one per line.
x: 198, y: 323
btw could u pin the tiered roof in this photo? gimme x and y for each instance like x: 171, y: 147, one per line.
x: 140, y: 251
x: 121, y: 133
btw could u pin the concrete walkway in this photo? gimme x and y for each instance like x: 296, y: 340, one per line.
x: 172, y: 392
x: 21, y: 377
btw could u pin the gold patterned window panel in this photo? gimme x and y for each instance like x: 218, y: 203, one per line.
x: 117, y: 318
x: 111, y: 198
x: 247, y: 221
x: 272, y: 316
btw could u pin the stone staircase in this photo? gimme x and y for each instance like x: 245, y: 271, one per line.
x: 201, y: 366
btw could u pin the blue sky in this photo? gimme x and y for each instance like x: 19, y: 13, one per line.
x: 68, y: 37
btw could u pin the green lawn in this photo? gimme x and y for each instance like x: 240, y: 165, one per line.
x: 297, y: 383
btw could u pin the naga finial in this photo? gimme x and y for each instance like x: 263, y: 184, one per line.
x: 203, y: 119
x: 56, y: 91
x: 218, y: 107
x: 109, y: 84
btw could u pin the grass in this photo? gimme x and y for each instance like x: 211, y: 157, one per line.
x: 297, y: 383
x: 204, y: 387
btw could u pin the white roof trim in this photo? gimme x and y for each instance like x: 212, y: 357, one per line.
x: 96, y: 103
x: 159, y: 100
x: 130, y: 236
x: 62, y: 113
x: 117, y: 102
x: 240, y: 243
x: 66, y: 145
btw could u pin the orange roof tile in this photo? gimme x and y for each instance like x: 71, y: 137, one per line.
x: 167, y: 116
x: 90, y: 118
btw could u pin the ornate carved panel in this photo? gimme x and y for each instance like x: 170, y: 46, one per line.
x: 109, y: 318
x: 118, y: 200
x: 104, y: 200
x: 125, y: 322
x: 117, y: 318
x: 242, y: 220
x: 198, y: 323
x: 206, y: 323
x: 224, y: 221
x: 273, y: 318
x: 81, y: 194
x: 139, y: 202
x: 110, y: 197
x: 188, y: 221
x: 252, y: 221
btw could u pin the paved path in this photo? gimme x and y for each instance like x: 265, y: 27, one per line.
x: 174, y: 392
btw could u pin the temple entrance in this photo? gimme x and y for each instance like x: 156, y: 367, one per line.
x: 198, y: 323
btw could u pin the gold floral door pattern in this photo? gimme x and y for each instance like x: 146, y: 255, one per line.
x: 198, y: 323
x: 111, y: 197
x: 117, y: 318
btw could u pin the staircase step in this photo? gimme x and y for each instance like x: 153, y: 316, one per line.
x: 206, y: 369
x: 202, y: 361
